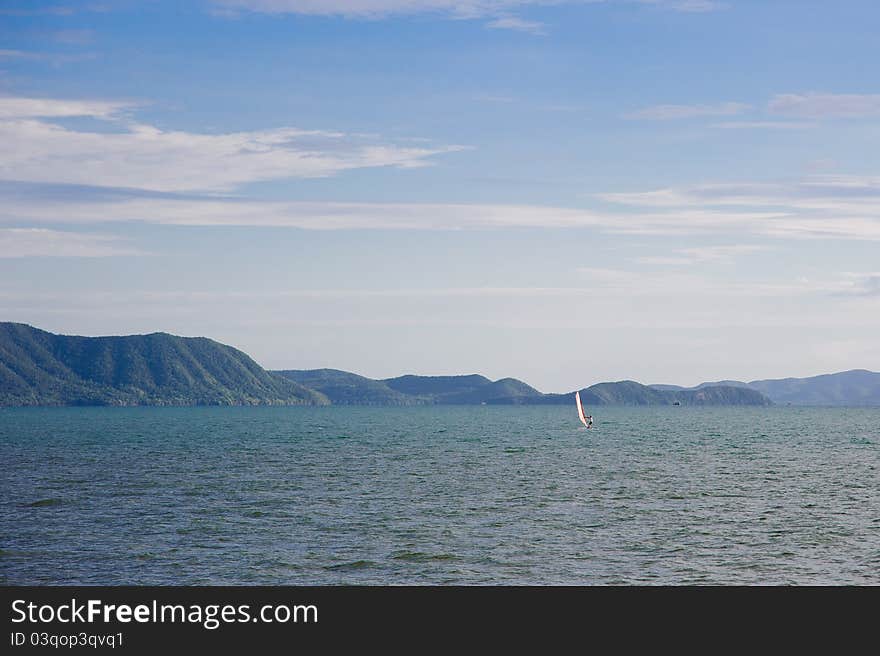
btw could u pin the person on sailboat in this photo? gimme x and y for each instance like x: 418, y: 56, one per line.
x: 589, y: 421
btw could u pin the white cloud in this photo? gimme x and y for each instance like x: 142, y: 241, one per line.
x: 862, y: 284
x: 12, y: 107
x: 376, y: 216
x: 839, y: 193
x: 813, y: 106
x: 494, y: 98
x: 373, y: 8
x: 39, y: 242
x: 41, y: 11
x: 846, y: 207
x: 688, y: 6
x: 145, y: 157
x: 826, y: 105
x: 764, y: 125
x: 17, y: 54
x: 517, y: 25
x: 74, y: 37
x: 700, y: 254
x: 683, y: 285
x: 51, y: 58
x: 454, y: 8
x: 686, y: 285
x: 673, y: 112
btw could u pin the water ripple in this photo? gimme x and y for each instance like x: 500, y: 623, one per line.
x: 467, y: 495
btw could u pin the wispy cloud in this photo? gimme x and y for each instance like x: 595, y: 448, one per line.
x: 814, y: 106
x: 701, y: 254
x: 145, y: 157
x: 764, y: 125
x: 826, y: 105
x: 494, y: 98
x: 688, y: 284
x: 389, y: 216
x: 18, y: 54
x: 40, y: 242
x: 497, y: 13
x: 861, y: 284
x: 49, y: 57
x: 37, y: 11
x: 303, y: 215
x: 688, y: 6
x: 840, y: 193
x: 517, y: 25
x: 685, y: 284
x: 73, y: 37
x: 846, y: 207
x: 12, y: 107
x: 373, y: 8
x: 674, y: 112
x: 454, y: 8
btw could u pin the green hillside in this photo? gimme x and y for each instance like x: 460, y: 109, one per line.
x: 342, y: 387
x: 857, y: 387
x: 435, y: 387
x: 41, y: 368
x: 345, y: 388
x: 721, y: 395
x: 628, y: 392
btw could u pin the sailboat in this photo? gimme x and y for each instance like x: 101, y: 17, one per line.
x: 580, y: 407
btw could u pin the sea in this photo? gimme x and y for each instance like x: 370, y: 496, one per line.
x: 465, y: 495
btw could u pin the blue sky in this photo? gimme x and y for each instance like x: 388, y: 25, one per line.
x: 565, y: 192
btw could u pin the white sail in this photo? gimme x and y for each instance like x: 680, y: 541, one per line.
x: 577, y: 398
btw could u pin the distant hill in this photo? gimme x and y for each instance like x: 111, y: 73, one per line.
x: 436, y: 386
x: 628, y: 392
x: 342, y: 387
x: 853, y: 388
x: 473, y: 389
x: 464, y: 389
x: 857, y: 387
x: 346, y: 388
x: 719, y: 383
x: 668, y: 388
x: 722, y: 395
x: 41, y: 368
x: 723, y: 383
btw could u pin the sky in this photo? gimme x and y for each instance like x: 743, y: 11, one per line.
x: 566, y: 192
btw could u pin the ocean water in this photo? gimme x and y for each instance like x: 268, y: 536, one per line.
x: 439, y: 495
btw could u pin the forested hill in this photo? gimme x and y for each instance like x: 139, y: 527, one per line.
x: 41, y: 368
x: 857, y: 387
x: 342, y: 387
x: 345, y: 388
x: 628, y: 392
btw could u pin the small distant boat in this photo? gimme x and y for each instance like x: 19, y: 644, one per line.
x: 676, y: 403
x: 580, y: 407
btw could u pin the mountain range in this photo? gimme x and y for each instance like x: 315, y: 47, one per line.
x: 857, y: 387
x: 42, y: 368
x: 344, y: 388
